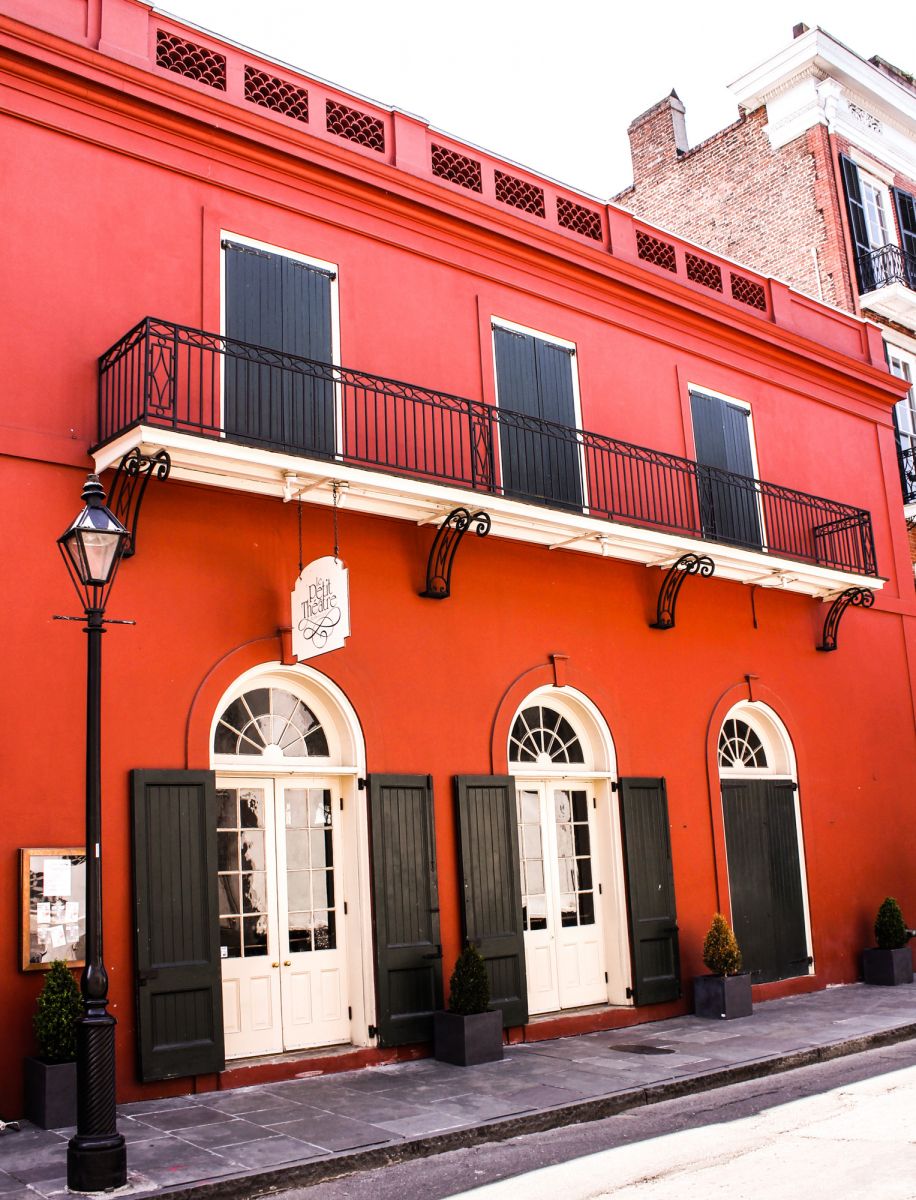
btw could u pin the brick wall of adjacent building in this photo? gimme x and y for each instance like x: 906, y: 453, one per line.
x: 775, y: 210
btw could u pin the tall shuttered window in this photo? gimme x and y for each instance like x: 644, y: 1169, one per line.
x: 729, y: 505
x: 537, y: 426
x: 276, y: 303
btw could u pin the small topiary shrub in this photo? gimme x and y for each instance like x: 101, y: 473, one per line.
x: 720, y: 949
x: 59, y: 1006
x: 890, y: 929
x: 469, y: 987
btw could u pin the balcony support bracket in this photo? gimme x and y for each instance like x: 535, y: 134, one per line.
x: 445, y: 546
x: 132, y: 476
x: 860, y: 597
x: 687, y: 564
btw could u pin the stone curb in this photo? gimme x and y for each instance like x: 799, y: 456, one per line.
x: 283, y: 1178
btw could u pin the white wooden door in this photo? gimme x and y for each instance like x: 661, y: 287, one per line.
x: 313, y: 970
x: 249, y: 933
x: 564, y: 950
x: 282, y: 926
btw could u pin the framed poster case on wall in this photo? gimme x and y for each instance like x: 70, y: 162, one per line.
x: 53, y: 907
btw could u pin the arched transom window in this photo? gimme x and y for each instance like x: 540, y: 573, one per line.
x: 740, y: 747
x: 268, y: 720
x: 542, y: 735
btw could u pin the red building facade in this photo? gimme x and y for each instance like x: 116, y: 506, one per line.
x: 295, y: 850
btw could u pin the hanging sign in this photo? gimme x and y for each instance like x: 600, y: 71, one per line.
x: 321, y: 608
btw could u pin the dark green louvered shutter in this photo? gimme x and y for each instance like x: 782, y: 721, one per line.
x: 857, y: 224
x: 729, y: 509
x: 650, y: 891
x: 176, y: 921
x: 405, y: 907
x: 278, y: 303
x: 764, y: 877
x: 534, y: 378
x: 906, y: 220
x: 491, y: 889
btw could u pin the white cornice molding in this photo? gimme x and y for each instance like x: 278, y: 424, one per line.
x: 817, y: 53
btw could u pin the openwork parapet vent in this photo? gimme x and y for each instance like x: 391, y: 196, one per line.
x: 356, y: 126
x: 188, y: 59
x: 457, y: 168
x: 542, y: 735
x: 654, y: 250
x: 277, y: 94
x: 519, y: 194
x: 578, y: 218
x: 746, y: 291
x: 704, y: 272
x: 270, y: 718
x: 739, y: 746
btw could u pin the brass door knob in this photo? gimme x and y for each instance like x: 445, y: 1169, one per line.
x: 287, y: 962
x: 275, y: 964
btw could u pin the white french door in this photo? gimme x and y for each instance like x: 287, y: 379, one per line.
x: 282, y: 932
x: 564, y: 946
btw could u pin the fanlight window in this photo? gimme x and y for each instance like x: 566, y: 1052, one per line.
x: 542, y: 735
x: 268, y: 718
x: 740, y: 747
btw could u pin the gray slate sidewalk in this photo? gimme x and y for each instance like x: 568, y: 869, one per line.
x: 236, y: 1143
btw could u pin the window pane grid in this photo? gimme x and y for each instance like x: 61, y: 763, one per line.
x: 534, y: 892
x: 574, y: 863
x: 543, y: 734
x: 242, y: 874
x: 310, y: 870
x: 740, y: 746
x: 266, y: 717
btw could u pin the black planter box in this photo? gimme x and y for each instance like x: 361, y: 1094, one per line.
x: 467, y: 1041
x: 888, y: 967
x: 722, y: 996
x: 50, y: 1093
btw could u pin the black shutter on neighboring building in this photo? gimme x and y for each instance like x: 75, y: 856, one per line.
x: 176, y: 921
x: 906, y: 220
x: 491, y: 887
x: 405, y: 907
x: 650, y: 891
x: 857, y: 224
x: 282, y: 304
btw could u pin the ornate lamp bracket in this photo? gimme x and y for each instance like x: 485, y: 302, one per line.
x: 133, y: 473
x: 445, y: 546
x: 687, y: 564
x: 861, y: 597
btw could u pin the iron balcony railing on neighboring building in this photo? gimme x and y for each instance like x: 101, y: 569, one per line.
x: 886, y: 265
x: 172, y: 377
x: 908, y: 474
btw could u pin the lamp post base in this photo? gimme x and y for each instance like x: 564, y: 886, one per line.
x: 96, y: 1164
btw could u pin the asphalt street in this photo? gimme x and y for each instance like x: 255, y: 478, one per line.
x: 839, y: 1129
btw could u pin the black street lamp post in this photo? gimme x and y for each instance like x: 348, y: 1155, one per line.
x: 96, y: 1155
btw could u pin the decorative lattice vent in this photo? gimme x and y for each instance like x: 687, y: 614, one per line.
x: 654, y: 250
x: 277, y: 94
x: 746, y: 291
x: 519, y: 194
x: 707, y: 274
x: 188, y: 59
x: 578, y: 218
x: 457, y: 168
x: 356, y: 126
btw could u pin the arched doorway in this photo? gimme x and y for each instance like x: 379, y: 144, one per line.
x: 573, y: 904
x: 763, y: 841
x: 287, y: 751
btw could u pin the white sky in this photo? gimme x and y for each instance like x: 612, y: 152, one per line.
x: 551, y: 84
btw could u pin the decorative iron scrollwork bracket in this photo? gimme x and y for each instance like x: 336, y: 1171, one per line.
x: 859, y: 597
x: 129, y: 487
x: 687, y: 564
x: 445, y: 546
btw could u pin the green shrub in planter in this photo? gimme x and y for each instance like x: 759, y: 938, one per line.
x: 59, y: 1008
x: 891, y: 932
x: 469, y: 987
x: 720, y: 949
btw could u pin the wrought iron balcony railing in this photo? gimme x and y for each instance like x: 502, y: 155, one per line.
x: 908, y: 474
x: 886, y: 265
x: 171, y: 377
